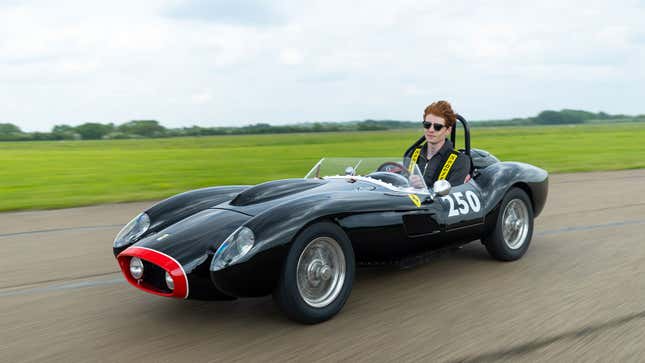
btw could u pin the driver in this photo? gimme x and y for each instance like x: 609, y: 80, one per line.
x: 437, y: 158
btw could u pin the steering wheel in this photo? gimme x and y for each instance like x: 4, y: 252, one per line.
x: 394, y: 167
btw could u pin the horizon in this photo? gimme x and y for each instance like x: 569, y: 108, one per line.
x: 296, y: 123
x: 307, y: 123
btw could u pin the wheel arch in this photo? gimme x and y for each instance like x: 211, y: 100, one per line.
x: 330, y: 218
x: 257, y: 274
x: 525, y: 187
x: 281, y: 224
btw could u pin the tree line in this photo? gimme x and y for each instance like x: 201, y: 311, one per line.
x: 153, y: 129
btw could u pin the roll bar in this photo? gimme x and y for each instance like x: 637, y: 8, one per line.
x: 453, y: 134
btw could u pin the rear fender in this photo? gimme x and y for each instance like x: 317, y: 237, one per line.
x: 496, y: 179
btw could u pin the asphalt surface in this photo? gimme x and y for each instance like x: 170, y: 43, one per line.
x: 577, y: 295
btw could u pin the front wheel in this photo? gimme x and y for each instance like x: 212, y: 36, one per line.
x: 318, y: 274
x: 512, y: 234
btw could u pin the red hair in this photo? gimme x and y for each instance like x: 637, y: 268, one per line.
x: 441, y: 109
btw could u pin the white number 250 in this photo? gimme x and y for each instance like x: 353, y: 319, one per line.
x: 464, y: 206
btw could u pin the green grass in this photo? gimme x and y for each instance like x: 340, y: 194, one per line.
x: 38, y: 175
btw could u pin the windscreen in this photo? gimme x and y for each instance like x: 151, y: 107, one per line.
x: 394, y: 173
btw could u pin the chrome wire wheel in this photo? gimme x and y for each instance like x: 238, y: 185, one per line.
x: 321, y: 272
x: 515, y: 224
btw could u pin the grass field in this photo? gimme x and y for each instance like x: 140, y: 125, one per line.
x: 39, y: 175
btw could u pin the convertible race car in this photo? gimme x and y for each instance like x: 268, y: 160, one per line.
x: 302, y: 239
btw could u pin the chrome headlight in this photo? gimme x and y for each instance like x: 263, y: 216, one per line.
x: 238, y: 244
x: 133, y: 230
x: 136, y: 268
x: 169, y: 282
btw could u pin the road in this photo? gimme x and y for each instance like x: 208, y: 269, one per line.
x: 577, y: 295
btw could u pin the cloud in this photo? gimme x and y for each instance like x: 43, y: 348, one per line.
x: 232, y: 12
x: 202, y: 98
x: 233, y: 63
x: 291, y: 56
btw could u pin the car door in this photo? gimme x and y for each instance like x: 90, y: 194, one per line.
x: 462, y: 213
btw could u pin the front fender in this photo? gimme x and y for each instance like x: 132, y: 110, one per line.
x: 180, y: 206
x: 279, y: 225
x: 257, y: 273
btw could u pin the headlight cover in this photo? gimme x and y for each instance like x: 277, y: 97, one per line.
x: 133, y: 230
x: 169, y: 282
x: 136, y: 268
x: 238, y: 244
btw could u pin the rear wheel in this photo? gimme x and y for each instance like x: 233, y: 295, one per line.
x: 318, y: 274
x: 514, y: 228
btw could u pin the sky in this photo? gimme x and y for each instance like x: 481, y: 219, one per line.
x: 234, y: 63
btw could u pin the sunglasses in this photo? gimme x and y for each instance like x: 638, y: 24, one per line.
x: 436, y: 127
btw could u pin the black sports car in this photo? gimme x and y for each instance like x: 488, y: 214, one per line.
x: 301, y: 239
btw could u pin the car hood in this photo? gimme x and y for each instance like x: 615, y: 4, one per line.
x: 273, y: 190
x: 191, y: 240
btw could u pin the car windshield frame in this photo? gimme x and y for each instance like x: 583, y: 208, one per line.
x: 357, y: 168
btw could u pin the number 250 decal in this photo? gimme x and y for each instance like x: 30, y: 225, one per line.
x: 464, y: 206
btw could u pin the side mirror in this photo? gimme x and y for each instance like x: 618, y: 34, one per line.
x: 441, y: 187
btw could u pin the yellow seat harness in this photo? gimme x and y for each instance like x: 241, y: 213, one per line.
x: 446, y: 166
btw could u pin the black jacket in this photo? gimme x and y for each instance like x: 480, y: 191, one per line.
x: 432, y: 168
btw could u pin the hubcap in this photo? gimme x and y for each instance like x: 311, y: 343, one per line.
x: 515, y: 221
x: 321, y: 272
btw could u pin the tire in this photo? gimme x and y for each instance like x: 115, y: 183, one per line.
x: 516, y: 214
x: 318, y: 274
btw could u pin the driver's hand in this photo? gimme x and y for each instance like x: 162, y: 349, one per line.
x: 416, y: 181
